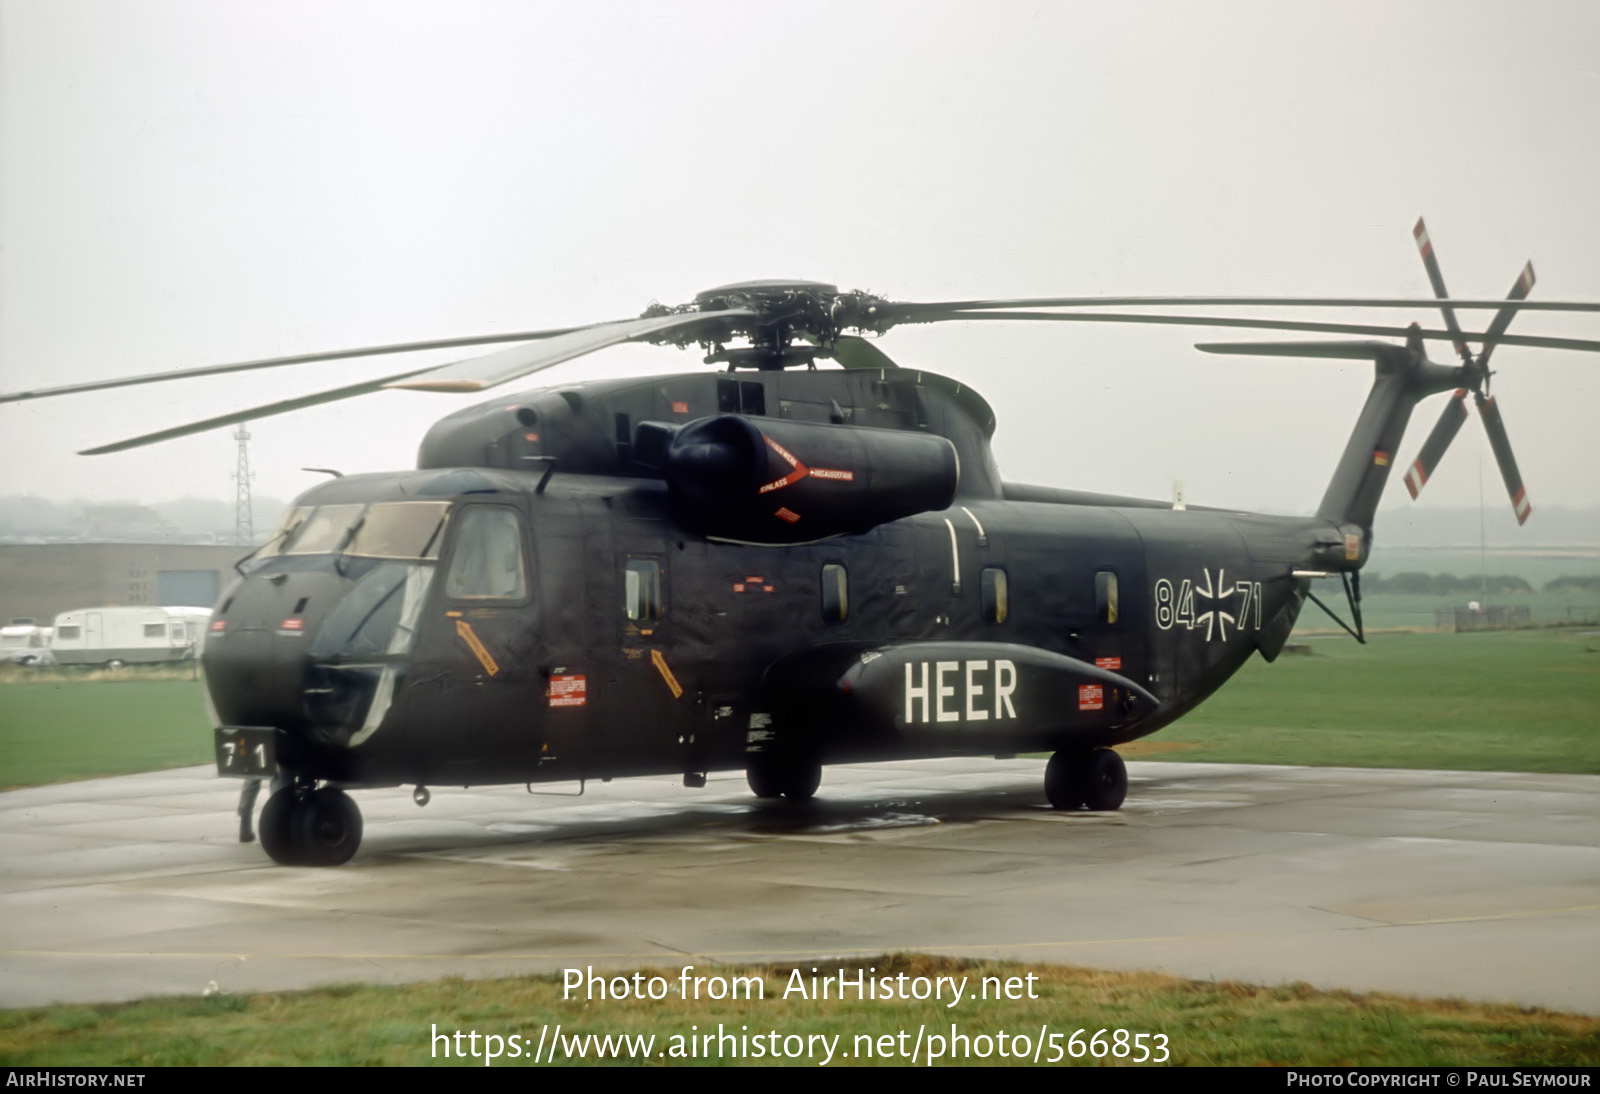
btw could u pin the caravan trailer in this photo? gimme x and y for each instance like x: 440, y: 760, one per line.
x: 119, y: 636
x: 22, y: 642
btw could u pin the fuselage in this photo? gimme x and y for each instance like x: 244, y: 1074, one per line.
x: 469, y: 626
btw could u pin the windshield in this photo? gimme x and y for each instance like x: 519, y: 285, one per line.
x: 385, y: 529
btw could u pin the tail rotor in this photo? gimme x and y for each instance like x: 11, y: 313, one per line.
x: 1475, y: 375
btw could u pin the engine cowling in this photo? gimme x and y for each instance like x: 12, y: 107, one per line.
x: 774, y: 481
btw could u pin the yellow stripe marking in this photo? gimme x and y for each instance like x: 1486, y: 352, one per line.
x: 464, y: 629
x: 666, y: 673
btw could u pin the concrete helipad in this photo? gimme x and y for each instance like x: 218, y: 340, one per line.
x: 1480, y: 885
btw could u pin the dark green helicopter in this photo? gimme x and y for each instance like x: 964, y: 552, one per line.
x: 772, y: 568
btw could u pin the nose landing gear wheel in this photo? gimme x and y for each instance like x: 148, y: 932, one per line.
x: 310, y: 827
x: 1097, y: 780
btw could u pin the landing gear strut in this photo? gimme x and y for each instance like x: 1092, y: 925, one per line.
x: 1093, y: 779
x: 772, y: 775
x: 305, y: 827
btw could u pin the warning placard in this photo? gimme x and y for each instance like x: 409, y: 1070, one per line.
x: 568, y: 691
x: 1090, y: 697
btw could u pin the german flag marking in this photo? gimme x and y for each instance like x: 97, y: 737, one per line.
x: 1381, y: 458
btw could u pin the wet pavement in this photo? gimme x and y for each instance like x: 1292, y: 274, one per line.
x: 1479, y: 885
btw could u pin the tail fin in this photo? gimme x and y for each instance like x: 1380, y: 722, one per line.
x: 1404, y: 377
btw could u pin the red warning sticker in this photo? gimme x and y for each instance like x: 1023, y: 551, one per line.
x: 680, y: 407
x: 738, y: 586
x: 1112, y: 663
x: 568, y: 691
x: 1090, y: 697
x: 787, y: 514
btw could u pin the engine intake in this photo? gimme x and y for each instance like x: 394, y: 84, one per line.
x: 774, y: 481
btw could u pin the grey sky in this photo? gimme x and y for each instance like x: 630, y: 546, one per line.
x: 186, y: 183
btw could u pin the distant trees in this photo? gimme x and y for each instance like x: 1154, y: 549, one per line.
x: 1574, y: 583
x: 1413, y: 583
x: 1420, y: 584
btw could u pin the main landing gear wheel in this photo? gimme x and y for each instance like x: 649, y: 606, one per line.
x: 773, y: 777
x: 302, y: 827
x: 1096, y: 780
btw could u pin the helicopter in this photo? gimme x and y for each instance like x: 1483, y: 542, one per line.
x: 773, y: 567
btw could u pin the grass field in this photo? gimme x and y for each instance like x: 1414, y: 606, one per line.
x: 1207, y: 1023
x: 1525, y: 700
x: 1498, y: 701
x: 56, y: 726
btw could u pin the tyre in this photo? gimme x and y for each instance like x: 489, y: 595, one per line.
x: 325, y: 828
x: 789, y: 777
x: 1060, y: 786
x: 765, y: 782
x: 273, y: 828
x: 804, y: 776
x: 114, y: 664
x: 1104, y: 782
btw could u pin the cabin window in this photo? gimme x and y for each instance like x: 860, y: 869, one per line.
x: 641, y: 589
x: 488, y: 563
x: 835, y: 593
x: 996, y: 600
x: 741, y: 397
x: 1105, y: 596
x: 71, y: 631
x: 155, y: 630
x: 753, y: 396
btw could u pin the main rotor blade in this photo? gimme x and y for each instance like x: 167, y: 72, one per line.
x: 1503, y: 317
x: 1585, y: 344
x: 1433, y: 449
x: 278, y: 362
x: 1495, y: 426
x: 478, y: 373
x: 905, y: 311
x: 1355, y: 351
x: 267, y: 411
x: 1431, y: 262
x: 854, y: 352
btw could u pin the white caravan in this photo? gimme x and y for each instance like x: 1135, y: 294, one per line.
x: 25, y: 644
x: 118, y: 636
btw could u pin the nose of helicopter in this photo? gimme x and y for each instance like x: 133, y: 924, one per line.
x: 256, y: 651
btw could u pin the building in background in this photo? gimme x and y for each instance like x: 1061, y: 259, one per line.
x: 42, y: 580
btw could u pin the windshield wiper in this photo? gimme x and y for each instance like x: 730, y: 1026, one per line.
x: 238, y: 567
x: 344, y: 541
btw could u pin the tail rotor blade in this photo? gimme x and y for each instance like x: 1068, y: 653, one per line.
x: 1436, y: 278
x: 1433, y: 449
x: 1496, y: 428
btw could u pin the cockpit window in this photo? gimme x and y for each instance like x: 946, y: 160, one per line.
x: 323, y: 530
x: 487, y: 563
x: 385, y: 529
x: 400, y: 529
x: 287, y: 527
